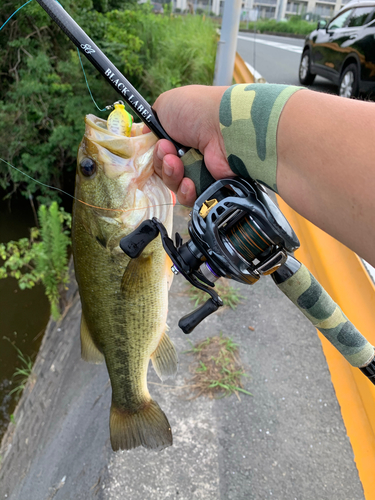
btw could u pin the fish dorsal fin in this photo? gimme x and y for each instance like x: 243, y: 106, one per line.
x: 89, y: 351
x: 164, y: 358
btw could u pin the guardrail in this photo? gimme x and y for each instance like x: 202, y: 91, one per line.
x: 343, y: 275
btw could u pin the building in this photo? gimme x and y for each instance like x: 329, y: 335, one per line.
x: 272, y: 9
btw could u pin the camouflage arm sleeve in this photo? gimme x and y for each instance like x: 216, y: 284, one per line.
x: 315, y: 303
x: 249, y: 116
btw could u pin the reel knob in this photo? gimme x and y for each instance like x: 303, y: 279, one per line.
x: 134, y: 243
x: 191, y: 320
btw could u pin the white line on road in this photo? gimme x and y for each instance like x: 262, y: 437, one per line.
x: 284, y: 46
x: 257, y: 76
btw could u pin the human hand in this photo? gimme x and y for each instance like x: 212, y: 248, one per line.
x: 190, y: 115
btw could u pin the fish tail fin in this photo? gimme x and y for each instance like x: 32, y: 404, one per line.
x: 89, y: 351
x: 148, y: 427
x: 164, y: 358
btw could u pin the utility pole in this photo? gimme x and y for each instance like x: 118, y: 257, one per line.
x: 280, y: 10
x: 226, y: 49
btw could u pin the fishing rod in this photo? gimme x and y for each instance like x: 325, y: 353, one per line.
x: 235, y: 229
x: 107, y: 69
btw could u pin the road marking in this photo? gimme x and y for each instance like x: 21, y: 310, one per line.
x: 284, y: 46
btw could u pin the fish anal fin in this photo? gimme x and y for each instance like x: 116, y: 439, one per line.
x: 164, y: 358
x: 148, y: 427
x: 89, y: 351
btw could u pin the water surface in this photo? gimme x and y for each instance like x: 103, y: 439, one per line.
x: 23, y: 313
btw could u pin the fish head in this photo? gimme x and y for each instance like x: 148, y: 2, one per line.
x: 116, y: 182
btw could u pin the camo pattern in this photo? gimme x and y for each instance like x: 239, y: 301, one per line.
x: 196, y: 170
x: 249, y: 116
x: 315, y: 303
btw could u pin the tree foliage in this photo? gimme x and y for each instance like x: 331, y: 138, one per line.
x: 43, y: 257
x: 43, y: 95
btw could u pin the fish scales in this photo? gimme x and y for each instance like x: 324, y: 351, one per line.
x: 124, y: 301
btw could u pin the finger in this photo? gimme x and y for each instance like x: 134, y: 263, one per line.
x: 186, y: 193
x: 145, y: 129
x: 162, y: 148
x: 172, y: 172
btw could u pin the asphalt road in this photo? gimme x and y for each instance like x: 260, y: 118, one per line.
x: 286, y: 442
x: 277, y: 59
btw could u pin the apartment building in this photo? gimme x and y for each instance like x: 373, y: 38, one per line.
x: 283, y: 9
x: 273, y: 9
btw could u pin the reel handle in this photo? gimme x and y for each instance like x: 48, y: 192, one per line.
x: 191, y: 320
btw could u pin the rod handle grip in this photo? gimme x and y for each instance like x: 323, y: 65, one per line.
x: 196, y: 170
x: 305, y: 291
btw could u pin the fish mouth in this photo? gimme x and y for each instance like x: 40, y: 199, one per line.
x: 121, y: 145
x: 134, y: 192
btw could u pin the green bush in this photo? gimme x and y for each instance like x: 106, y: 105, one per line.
x: 295, y: 25
x: 42, y: 258
x: 43, y: 95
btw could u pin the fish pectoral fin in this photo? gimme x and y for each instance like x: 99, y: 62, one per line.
x: 164, y: 358
x: 148, y: 426
x: 137, y: 275
x: 89, y: 351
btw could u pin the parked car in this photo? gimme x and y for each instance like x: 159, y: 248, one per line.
x: 343, y: 50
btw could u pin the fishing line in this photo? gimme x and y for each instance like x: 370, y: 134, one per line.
x: 87, y: 84
x: 19, y: 8
x: 79, y: 56
x: 83, y: 202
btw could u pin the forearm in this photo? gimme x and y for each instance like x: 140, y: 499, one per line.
x: 316, y: 150
x: 326, y: 166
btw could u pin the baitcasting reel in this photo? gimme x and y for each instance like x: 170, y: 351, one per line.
x: 236, y: 232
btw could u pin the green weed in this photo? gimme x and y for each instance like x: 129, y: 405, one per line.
x: 231, y: 297
x: 217, y: 370
x: 22, y: 374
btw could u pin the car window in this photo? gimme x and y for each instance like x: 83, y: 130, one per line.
x: 371, y: 18
x: 340, y: 21
x: 359, y: 16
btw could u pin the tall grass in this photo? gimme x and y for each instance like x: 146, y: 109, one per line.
x: 181, y: 52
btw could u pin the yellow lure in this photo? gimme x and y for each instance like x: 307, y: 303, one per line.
x: 120, y: 121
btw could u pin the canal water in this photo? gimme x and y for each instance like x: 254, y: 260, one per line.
x: 24, y: 314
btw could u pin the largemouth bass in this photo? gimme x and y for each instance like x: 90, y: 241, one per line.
x: 124, y: 301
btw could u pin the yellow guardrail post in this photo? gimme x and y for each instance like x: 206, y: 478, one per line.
x: 241, y: 72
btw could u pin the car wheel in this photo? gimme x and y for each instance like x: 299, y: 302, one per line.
x: 349, y: 82
x: 305, y: 75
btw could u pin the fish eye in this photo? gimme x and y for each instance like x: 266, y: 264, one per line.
x: 88, y: 167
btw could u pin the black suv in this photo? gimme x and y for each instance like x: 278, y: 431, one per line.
x: 343, y: 50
